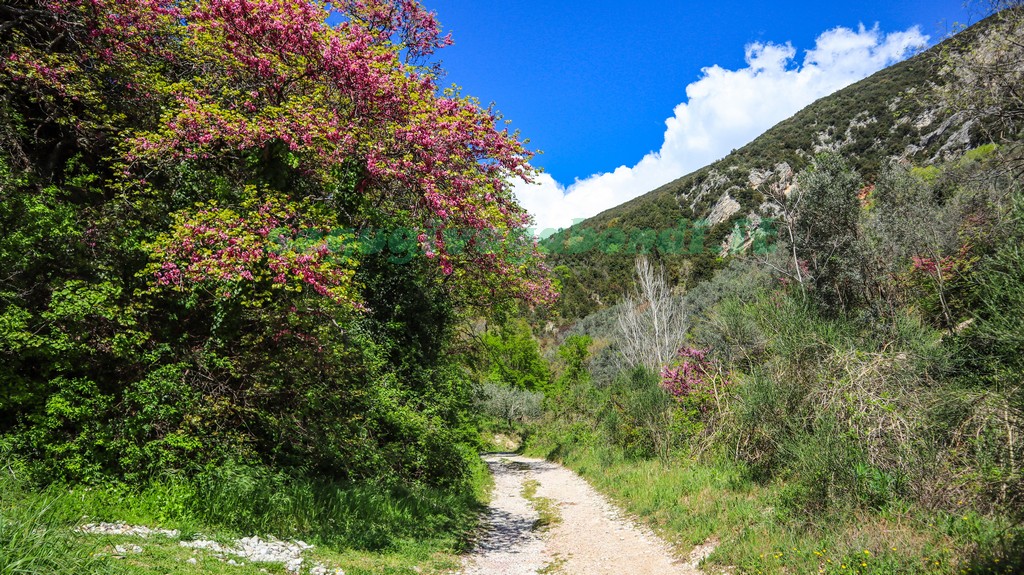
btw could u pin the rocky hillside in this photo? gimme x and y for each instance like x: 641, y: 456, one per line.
x: 889, y: 116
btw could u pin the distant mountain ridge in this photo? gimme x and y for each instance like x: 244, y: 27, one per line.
x: 885, y: 117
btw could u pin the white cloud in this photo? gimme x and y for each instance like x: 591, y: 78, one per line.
x: 724, y: 110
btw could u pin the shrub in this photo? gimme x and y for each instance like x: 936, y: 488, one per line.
x: 640, y: 415
x: 508, y: 404
x: 700, y: 391
x: 826, y: 231
x: 511, y: 357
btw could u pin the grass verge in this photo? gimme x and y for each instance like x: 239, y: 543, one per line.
x: 688, y: 502
x: 360, y: 529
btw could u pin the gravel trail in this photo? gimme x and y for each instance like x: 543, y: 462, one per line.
x: 592, y: 538
x: 510, y: 545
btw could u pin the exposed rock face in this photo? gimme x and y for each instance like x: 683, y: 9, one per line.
x: 758, y: 177
x: 723, y: 209
x: 946, y: 137
x: 937, y: 133
x: 711, y: 183
x: 925, y: 119
x: 956, y: 143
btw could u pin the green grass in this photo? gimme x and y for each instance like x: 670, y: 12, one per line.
x: 759, y: 532
x: 361, y: 529
x: 34, y: 538
x: 245, y: 501
x: 166, y: 557
x: 547, y: 509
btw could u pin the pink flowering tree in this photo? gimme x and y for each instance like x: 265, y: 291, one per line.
x: 252, y: 252
x: 343, y: 108
x: 284, y: 211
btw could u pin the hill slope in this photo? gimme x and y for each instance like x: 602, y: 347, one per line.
x: 887, y: 116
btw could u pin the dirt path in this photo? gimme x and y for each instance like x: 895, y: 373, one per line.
x: 592, y: 537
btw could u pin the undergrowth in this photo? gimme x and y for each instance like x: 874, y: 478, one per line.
x: 762, y: 530
x: 363, y: 528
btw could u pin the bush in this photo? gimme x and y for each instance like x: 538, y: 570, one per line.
x: 510, y: 357
x: 826, y: 228
x: 842, y: 413
x: 830, y: 469
x: 640, y: 415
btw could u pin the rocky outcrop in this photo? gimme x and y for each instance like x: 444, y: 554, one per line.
x: 723, y: 209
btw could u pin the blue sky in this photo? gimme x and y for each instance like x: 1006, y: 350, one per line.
x: 596, y: 84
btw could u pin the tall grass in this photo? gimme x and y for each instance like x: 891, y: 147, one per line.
x: 248, y: 500
x: 36, y: 536
x: 762, y: 527
x: 368, y: 528
x: 358, y: 516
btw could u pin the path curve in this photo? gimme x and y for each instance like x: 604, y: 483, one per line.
x: 592, y: 538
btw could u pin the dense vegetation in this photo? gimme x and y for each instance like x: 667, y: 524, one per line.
x: 234, y: 232
x: 238, y: 246
x: 848, y: 407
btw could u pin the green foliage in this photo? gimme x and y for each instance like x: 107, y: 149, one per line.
x: 363, y: 528
x: 512, y: 358
x: 935, y: 232
x: 510, y: 405
x: 572, y: 394
x: 602, y: 328
x: 70, y: 431
x: 998, y: 328
x: 247, y: 499
x: 893, y: 370
x: 639, y: 416
x: 826, y: 231
x: 980, y: 153
x: 842, y: 414
x: 574, y: 352
x: 831, y: 469
x: 200, y: 266
x: 160, y: 435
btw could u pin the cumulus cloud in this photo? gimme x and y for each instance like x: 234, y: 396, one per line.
x: 724, y: 110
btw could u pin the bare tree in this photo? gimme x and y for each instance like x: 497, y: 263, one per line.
x: 652, y: 320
